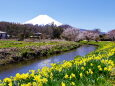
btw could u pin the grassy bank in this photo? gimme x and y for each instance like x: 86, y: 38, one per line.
x: 94, y: 69
x: 15, y: 51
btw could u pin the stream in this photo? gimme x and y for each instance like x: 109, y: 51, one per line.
x: 38, y: 63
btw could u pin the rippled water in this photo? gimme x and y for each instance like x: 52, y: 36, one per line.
x: 38, y: 63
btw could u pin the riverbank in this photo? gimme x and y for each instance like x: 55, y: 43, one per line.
x: 94, y: 69
x: 15, y: 51
x: 39, y: 63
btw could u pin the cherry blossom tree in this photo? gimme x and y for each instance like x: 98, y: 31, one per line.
x: 70, y: 34
x: 111, y: 35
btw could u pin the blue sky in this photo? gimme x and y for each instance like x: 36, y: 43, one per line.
x: 85, y: 14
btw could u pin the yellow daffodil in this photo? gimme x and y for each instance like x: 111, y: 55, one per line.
x: 81, y: 75
x: 66, y: 76
x: 63, y: 84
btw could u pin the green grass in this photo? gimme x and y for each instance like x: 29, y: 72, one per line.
x: 18, y: 44
x: 15, y: 51
x: 95, y: 69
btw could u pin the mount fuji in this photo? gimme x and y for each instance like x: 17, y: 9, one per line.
x: 43, y: 20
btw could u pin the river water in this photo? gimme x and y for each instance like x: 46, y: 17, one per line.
x: 38, y: 63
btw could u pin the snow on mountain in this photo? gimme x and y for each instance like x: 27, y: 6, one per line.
x: 43, y: 20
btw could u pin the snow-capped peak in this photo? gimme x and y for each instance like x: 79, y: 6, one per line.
x: 43, y: 20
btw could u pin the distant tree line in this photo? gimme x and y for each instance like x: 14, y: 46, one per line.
x: 67, y: 32
x: 16, y: 30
